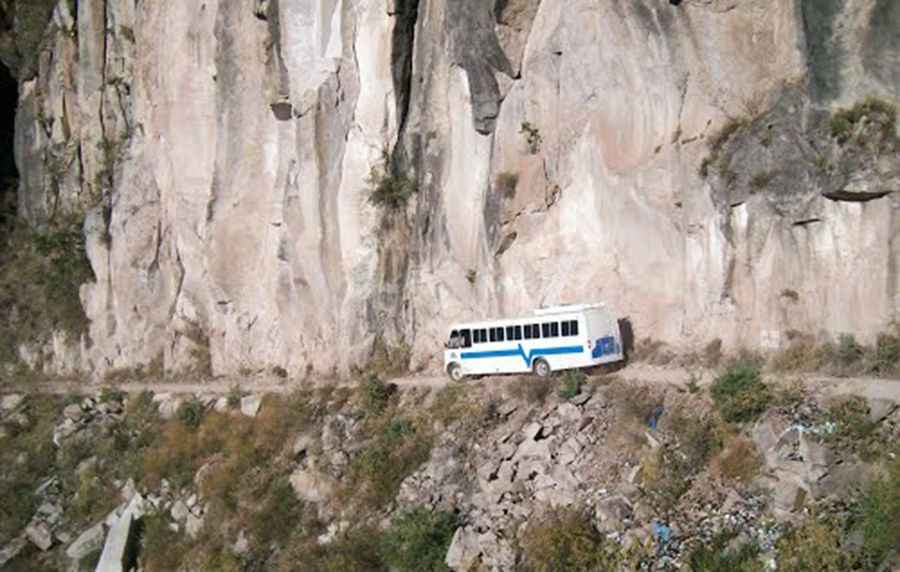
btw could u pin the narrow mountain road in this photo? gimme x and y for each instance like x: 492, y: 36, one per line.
x: 868, y: 387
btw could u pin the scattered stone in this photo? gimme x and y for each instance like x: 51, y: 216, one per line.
x: 10, y: 402
x: 73, y: 412
x: 87, y: 542
x: 167, y: 405
x: 193, y: 525
x: 302, y: 444
x: 221, y: 405
x: 39, y: 535
x: 250, y: 405
x: 179, y: 511
x: 581, y: 398
x: 242, y: 545
x: 11, y: 550
x: 309, y: 486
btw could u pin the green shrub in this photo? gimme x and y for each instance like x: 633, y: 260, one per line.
x: 844, y: 122
x: 532, y: 137
x: 397, y: 449
x: 235, y: 394
x: 357, y: 550
x: 811, y: 546
x: 390, y: 186
x: 506, y: 184
x: 761, y: 180
x: 375, y: 395
x: 162, y: 549
x: 739, y: 394
x: 279, y: 516
x: 190, y: 413
x: 717, y: 556
x: 879, y: 516
x: 418, y: 540
x: 572, y: 381
x: 566, y: 540
x: 885, y: 359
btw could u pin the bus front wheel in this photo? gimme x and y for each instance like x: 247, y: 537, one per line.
x: 541, y: 368
x: 455, y: 372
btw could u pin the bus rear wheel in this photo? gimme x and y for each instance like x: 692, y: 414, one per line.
x: 455, y: 372
x: 541, y: 368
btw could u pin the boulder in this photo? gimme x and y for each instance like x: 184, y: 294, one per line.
x: 39, y: 535
x: 880, y: 408
x: 73, y: 412
x: 87, y: 542
x: 250, y: 405
x: 167, y: 404
x: 464, y: 550
x: 310, y: 486
x: 612, y: 512
x: 118, y: 550
x: 10, y: 402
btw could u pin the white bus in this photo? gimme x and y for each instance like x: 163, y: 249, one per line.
x: 556, y: 338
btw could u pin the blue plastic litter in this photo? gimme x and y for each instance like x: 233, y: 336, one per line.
x: 661, y: 532
x: 654, y: 417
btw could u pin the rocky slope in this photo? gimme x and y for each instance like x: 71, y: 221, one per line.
x: 646, y: 477
x: 222, y: 155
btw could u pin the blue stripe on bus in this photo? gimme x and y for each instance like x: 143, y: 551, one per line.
x: 520, y: 351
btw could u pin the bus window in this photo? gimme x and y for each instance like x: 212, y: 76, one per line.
x: 554, y: 329
x: 499, y: 334
x: 493, y: 332
x: 527, y: 331
x: 574, y: 327
x: 454, y: 340
x: 565, y: 329
x: 466, y: 336
x: 517, y: 330
x: 535, y: 331
x: 545, y: 330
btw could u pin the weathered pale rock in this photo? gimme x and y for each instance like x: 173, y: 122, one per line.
x: 250, y: 405
x: 117, y: 550
x: 464, y: 550
x: 193, y: 524
x: 611, y: 512
x: 167, y: 404
x: 11, y: 550
x: 880, y: 408
x: 39, y: 534
x: 310, y: 486
x: 179, y: 511
x: 10, y: 402
x: 87, y: 542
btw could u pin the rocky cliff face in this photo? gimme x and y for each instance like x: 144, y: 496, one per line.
x: 223, y: 150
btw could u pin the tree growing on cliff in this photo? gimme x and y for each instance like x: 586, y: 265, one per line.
x: 390, y: 185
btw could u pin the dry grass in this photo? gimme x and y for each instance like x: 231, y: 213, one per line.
x: 740, y: 460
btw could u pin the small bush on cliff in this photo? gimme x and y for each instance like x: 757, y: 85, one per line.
x: 40, y: 276
x: 812, y: 546
x: 878, y: 517
x: 719, y: 556
x: 845, y: 122
x: 572, y: 381
x: 418, y: 541
x: 532, y: 137
x: 390, y: 185
x: 506, y: 184
x: 739, y: 393
x: 566, y: 540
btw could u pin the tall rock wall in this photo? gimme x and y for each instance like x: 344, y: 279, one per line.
x: 223, y: 153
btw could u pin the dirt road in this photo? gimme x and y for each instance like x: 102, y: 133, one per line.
x: 868, y: 387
